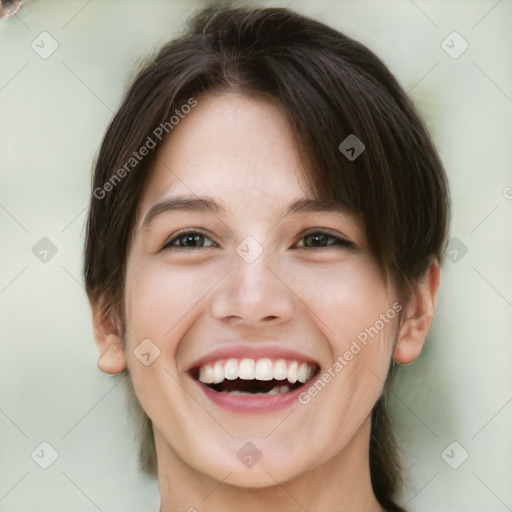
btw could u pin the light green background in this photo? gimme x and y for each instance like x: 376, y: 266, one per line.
x: 53, y: 113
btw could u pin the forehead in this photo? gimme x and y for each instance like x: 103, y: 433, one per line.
x: 231, y: 146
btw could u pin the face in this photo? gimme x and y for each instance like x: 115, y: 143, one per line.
x: 269, y: 328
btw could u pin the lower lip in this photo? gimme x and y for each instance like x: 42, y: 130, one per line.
x: 257, y: 403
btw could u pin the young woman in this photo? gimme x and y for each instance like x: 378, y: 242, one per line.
x: 264, y: 241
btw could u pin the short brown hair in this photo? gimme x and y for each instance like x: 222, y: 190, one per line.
x: 330, y: 87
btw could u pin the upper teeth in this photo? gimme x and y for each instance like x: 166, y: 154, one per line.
x: 259, y: 369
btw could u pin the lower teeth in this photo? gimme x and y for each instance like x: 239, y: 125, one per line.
x: 274, y: 391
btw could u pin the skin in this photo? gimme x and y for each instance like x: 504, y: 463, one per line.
x: 315, y: 300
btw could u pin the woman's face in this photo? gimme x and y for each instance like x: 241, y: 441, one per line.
x: 264, y: 287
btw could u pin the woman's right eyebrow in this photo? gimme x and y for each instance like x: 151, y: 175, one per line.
x: 217, y: 207
x: 184, y: 202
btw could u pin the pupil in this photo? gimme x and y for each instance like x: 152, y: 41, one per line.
x: 190, y: 238
x: 318, y: 237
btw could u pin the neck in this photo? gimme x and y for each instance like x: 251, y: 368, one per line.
x: 341, y: 484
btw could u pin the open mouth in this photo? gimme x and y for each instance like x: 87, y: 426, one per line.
x: 252, y: 377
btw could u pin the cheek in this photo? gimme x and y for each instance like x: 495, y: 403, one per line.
x: 159, y: 298
x: 349, y: 302
x: 156, y: 300
x: 159, y: 301
x: 347, y: 299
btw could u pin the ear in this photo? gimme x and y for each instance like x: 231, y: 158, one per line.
x: 112, y: 358
x: 417, y: 316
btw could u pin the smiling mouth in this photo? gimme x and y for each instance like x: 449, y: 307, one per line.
x: 254, y: 376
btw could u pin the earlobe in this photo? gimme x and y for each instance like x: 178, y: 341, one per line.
x: 417, y: 317
x: 112, y: 358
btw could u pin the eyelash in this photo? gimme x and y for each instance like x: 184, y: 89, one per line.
x: 341, y: 242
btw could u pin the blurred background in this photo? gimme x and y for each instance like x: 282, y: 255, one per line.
x: 66, y: 439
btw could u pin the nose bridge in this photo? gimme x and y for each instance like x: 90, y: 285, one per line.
x: 253, y: 291
x: 253, y: 278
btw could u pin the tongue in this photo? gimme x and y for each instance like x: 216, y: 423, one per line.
x: 249, y: 386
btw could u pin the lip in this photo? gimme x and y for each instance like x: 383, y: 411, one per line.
x: 249, y: 403
x: 245, y: 351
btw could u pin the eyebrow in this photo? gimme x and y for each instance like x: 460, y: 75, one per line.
x: 209, y: 204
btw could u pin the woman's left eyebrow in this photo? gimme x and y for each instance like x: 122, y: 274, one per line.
x: 312, y: 205
x: 209, y: 204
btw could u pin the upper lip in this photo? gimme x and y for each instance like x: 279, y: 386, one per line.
x: 251, y: 352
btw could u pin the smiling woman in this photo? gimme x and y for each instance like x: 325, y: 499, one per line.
x: 261, y: 269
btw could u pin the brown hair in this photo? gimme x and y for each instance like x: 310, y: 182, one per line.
x: 330, y: 87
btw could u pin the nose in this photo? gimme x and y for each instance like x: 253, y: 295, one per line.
x: 253, y: 294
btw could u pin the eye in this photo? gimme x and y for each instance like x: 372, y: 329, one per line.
x: 323, y: 239
x: 314, y: 240
x: 188, y: 240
